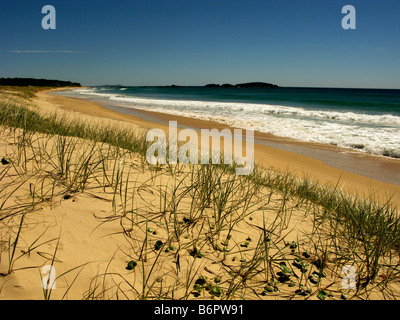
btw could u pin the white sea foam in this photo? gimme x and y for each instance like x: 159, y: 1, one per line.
x: 376, y: 134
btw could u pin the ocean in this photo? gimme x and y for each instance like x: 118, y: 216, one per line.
x: 366, y: 120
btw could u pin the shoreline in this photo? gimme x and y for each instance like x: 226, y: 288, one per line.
x: 337, y: 157
x: 301, y: 158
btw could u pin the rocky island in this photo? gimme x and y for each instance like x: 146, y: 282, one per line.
x: 243, y: 85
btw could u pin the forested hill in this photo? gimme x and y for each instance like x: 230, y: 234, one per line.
x: 37, y: 82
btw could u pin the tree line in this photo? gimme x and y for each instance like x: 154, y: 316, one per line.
x: 23, y: 82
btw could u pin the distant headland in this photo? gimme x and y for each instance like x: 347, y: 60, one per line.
x: 243, y: 85
x: 210, y: 85
x: 24, y: 82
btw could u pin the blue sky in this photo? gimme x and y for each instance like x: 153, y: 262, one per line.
x: 195, y: 42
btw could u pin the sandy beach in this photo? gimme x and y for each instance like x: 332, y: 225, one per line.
x: 114, y: 227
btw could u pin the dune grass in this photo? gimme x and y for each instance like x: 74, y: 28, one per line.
x: 194, y: 231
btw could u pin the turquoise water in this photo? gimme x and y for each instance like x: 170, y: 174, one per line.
x: 367, y: 120
x: 358, y: 100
